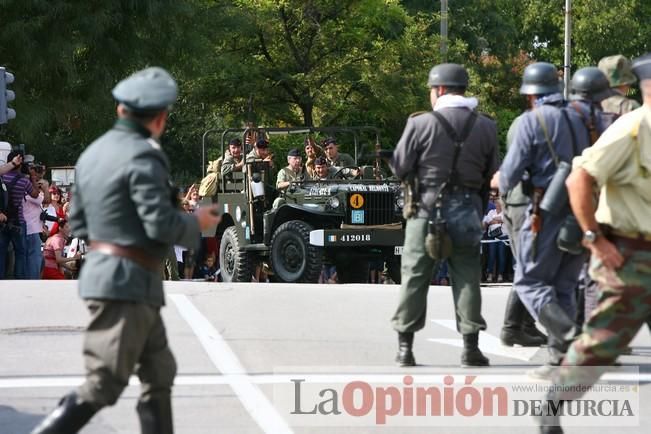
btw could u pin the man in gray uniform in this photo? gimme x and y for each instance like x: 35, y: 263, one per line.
x: 123, y: 207
x: 545, y: 277
x: 453, y: 153
x: 618, y: 71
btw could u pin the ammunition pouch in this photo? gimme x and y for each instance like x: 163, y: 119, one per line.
x: 570, y: 236
x: 438, y: 243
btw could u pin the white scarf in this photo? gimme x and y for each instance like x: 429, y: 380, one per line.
x: 449, y: 100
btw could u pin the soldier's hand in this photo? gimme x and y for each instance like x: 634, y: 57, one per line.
x: 208, y: 216
x: 495, y: 180
x: 3, y: 218
x: 607, y: 253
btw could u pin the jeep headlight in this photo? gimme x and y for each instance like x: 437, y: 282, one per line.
x: 400, y: 200
x: 333, y: 202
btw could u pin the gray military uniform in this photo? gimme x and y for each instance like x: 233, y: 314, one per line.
x: 426, y: 149
x: 543, y: 274
x: 123, y: 205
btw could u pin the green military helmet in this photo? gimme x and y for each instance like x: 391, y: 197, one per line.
x: 618, y: 70
x: 591, y: 83
x: 448, y: 74
x: 149, y: 90
x: 540, y: 78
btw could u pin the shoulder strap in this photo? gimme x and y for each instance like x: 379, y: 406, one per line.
x: 458, y: 140
x: 575, y: 151
x: 543, y: 126
x: 588, y: 122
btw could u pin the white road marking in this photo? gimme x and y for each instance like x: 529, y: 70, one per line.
x: 252, y: 398
x: 396, y: 377
x: 487, y: 343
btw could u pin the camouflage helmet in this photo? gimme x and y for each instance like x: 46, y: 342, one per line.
x: 448, y: 74
x: 540, y: 78
x: 618, y: 70
x: 591, y: 83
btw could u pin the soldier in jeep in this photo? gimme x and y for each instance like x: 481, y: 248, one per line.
x: 233, y: 160
x: 322, y: 171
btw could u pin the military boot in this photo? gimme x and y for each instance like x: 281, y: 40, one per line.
x: 155, y: 416
x: 68, y: 418
x: 549, y: 418
x: 472, y: 355
x: 513, y: 331
x: 405, y: 356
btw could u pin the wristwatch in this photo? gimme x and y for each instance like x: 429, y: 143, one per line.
x: 590, y: 236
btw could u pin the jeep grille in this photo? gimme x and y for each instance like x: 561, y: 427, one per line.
x: 378, y: 208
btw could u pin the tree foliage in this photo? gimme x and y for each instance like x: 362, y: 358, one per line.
x: 282, y: 62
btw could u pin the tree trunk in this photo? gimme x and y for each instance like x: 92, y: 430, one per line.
x: 307, y: 109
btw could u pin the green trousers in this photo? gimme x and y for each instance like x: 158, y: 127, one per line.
x: 123, y: 338
x: 417, y: 271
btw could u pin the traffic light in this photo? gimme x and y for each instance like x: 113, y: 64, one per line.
x: 6, y: 95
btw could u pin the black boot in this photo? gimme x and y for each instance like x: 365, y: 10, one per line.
x: 156, y: 416
x: 471, y: 355
x: 405, y: 356
x: 513, y: 331
x: 549, y: 419
x: 68, y: 418
x: 529, y: 327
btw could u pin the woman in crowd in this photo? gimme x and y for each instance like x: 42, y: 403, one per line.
x: 495, y: 247
x: 55, y: 262
x: 55, y: 209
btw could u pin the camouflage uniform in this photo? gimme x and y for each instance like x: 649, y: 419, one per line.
x: 614, y: 162
x: 618, y: 70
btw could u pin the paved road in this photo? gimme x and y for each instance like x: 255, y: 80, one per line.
x: 239, y: 346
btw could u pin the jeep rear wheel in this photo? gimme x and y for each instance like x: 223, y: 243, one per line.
x: 234, y: 261
x: 293, y: 258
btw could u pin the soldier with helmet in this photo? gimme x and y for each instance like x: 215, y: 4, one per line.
x: 452, y: 151
x: 617, y: 69
x: 545, y: 277
x: 617, y: 231
x: 123, y: 207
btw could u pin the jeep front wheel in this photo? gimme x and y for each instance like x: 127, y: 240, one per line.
x: 293, y: 258
x: 234, y: 261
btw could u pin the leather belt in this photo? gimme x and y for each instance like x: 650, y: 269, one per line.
x: 136, y: 254
x: 634, y: 240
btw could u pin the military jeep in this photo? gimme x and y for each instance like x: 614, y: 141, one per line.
x: 344, y: 222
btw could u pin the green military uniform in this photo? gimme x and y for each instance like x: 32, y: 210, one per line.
x: 287, y: 174
x: 426, y: 149
x: 619, y: 104
x: 123, y: 206
x: 342, y: 160
x: 229, y: 162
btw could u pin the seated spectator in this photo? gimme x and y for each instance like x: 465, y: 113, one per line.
x: 208, y: 269
x: 55, y: 262
x: 495, y: 247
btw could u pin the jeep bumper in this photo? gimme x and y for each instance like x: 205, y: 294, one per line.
x: 356, y: 237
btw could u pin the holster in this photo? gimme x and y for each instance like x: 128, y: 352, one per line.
x: 411, y: 197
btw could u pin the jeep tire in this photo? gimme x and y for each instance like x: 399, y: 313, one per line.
x: 293, y: 258
x: 234, y: 262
